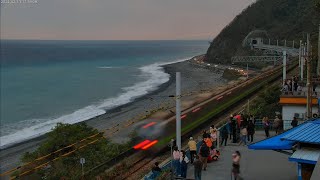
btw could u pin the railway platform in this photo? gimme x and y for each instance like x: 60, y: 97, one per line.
x: 254, y: 165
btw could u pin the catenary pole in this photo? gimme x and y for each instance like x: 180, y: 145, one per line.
x: 309, y: 95
x: 300, y: 53
x: 247, y: 71
x: 293, y: 44
x: 318, y: 69
x: 284, y: 69
x: 178, y: 109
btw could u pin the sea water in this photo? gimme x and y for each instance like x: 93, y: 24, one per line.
x: 46, y: 82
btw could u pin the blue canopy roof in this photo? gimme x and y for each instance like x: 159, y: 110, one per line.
x: 308, y: 132
x: 273, y: 143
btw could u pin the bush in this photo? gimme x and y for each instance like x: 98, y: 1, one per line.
x: 69, y: 167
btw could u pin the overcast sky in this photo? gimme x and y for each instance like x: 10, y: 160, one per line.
x: 118, y: 19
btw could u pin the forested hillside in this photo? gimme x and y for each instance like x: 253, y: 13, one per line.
x: 282, y: 19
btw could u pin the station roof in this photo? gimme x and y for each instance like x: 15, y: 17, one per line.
x: 296, y: 100
x: 273, y: 143
x: 305, y: 155
x: 308, y: 132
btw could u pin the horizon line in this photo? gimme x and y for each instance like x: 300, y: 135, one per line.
x: 105, y: 40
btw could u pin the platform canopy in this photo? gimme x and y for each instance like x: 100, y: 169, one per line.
x: 308, y: 132
x: 306, y: 155
x: 273, y: 143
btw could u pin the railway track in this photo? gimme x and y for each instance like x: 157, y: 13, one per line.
x: 219, y: 118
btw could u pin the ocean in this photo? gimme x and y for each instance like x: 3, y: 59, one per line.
x: 46, y: 82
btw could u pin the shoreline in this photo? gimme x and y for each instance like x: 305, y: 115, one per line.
x: 10, y: 156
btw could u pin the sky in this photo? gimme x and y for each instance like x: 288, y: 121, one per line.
x: 117, y: 19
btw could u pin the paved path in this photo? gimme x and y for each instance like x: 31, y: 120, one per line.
x: 255, y: 164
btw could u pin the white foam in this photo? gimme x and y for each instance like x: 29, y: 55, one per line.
x: 42, y: 128
x: 155, y: 74
x: 107, y: 67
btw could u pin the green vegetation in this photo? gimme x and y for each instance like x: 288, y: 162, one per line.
x: 231, y: 74
x: 267, y: 103
x: 69, y: 166
x: 219, y: 109
x: 282, y: 19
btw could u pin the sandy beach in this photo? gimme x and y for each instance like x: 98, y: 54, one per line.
x: 199, y: 82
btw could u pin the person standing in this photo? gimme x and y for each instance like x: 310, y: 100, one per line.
x: 229, y: 127
x: 213, y: 135
x: 234, y: 130
x: 276, y: 125
x: 197, y: 168
x: 224, y: 135
x: 193, y: 148
x: 244, y: 134
x: 294, y: 122
x: 236, y: 165
x: 251, y: 131
x: 156, y: 170
x: 266, y: 126
x: 176, y: 161
x: 204, y: 154
x: 184, y: 164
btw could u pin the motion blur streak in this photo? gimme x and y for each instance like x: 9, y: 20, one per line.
x: 195, y: 110
x: 183, y: 116
x: 219, y: 97
x: 149, y: 145
x: 148, y: 125
x: 143, y: 143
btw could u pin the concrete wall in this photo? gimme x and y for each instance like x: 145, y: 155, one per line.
x: 289, y: 111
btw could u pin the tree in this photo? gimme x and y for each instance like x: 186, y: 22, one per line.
x: 87, y: 143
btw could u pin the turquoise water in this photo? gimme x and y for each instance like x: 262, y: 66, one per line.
x: 45, y: 82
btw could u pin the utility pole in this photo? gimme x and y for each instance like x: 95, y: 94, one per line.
x: 300, y: 53
x: 309, y: 95
x: 293, y: 44
x: 285, y: 43
x: 284, y: 70
x: 247, y: 71
x: 178, y: 109
x: 269, y: 42
x: 302, y: 61
x: 277, y: 42
x: 318, y: 69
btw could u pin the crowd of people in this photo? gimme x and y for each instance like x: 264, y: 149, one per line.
x: 239, y: 128
x: 293, y: 85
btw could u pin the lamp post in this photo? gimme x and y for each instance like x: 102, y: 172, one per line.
x: 178, y: 109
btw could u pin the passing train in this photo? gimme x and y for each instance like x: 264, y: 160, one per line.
x: 156, y: 134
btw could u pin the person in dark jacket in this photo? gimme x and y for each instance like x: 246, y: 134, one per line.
x: 224, y: 135
x: 197, y: 168
x: 205, y: 134
x: 294, y: 122
x: 204, y: 154
x: 156, y: 170
x: 266, y: 125
x: 250, y: 129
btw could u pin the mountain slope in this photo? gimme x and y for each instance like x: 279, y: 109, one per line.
x: 282, y: 19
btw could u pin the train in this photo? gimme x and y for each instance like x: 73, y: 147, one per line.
x: 156, y: 134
